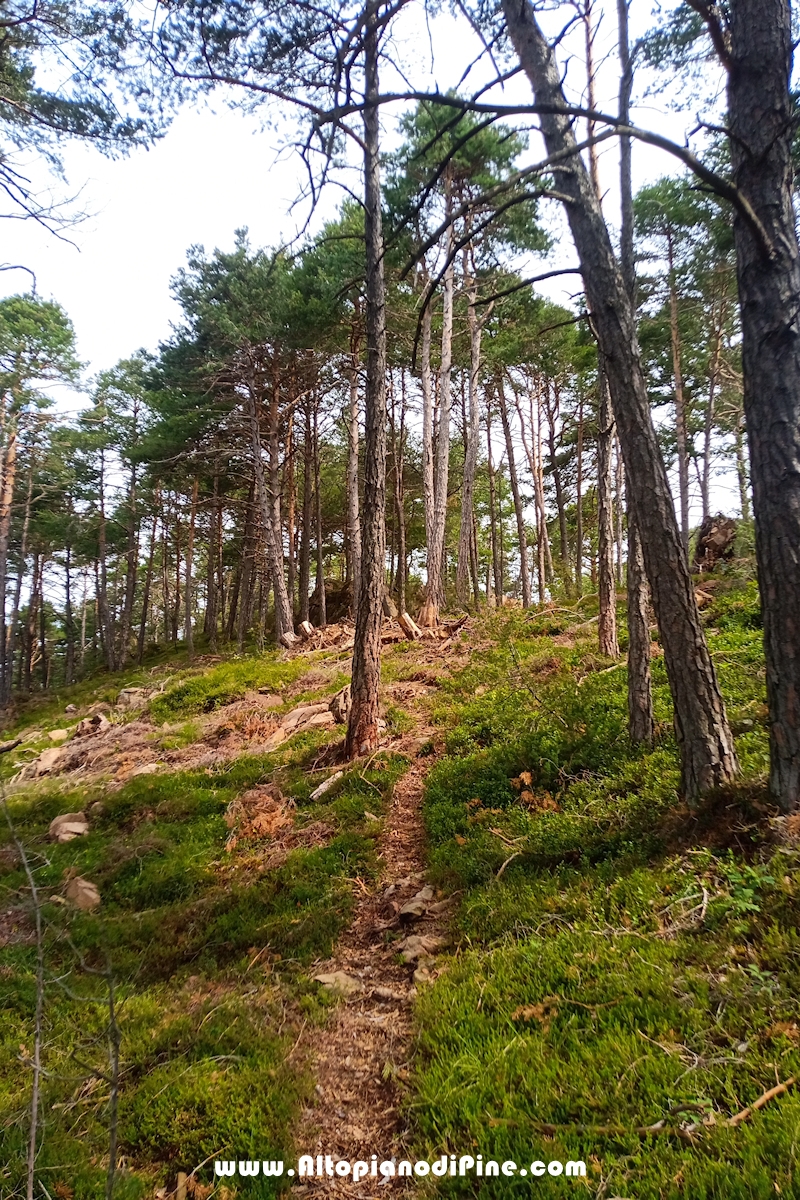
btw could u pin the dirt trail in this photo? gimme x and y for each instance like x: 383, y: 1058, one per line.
x: 360, y: 1057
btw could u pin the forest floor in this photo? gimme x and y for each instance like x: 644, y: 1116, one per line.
x: 502, y: 934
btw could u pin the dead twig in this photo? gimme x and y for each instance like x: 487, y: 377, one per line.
x: 510, y: 859
x: 763, y: 1099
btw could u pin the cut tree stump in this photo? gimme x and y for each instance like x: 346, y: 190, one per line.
x: 306, y: 630
x: 409, y: 627
x: 289, y: 639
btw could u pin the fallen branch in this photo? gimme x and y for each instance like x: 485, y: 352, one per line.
x: 778, y: 1090
x: 12, y: 745
x: 510, y: 859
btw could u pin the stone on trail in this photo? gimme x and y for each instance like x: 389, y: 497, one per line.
x: 300, y: 716
x: 71, y: 708
x: 322, y: 720
x: 46, y: 761
x: 415, y: 947
x: 274, y: 739
x: 146, y: 769
x: 58, y: 735
x: 82, y: 894
x: 68, y: 826
x: 133, y: 697
x: 340, y: 983
x: 417, y: 906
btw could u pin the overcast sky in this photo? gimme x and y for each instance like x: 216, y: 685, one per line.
x: 215, y: 171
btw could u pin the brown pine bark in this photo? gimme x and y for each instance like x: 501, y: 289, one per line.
x: 762, y: 124
x: 188, y: 591
x: 304, y: 581
x: 607, y: 591
x: 353, y: 518
x: 522, y: 537
x: 706, y: 746
x: 319, y: 531
x: 269, y: 502
x: 472, y: 434
x: 362, y: 728
x: 641, y: 723
x: 681, y: 431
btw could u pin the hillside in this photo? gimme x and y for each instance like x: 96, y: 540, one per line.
x: 540, y: 953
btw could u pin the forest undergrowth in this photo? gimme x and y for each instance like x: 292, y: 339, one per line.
x: 623, y: 973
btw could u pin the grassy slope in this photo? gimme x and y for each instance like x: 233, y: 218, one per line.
x: 658, y: 957
x: 207, y: 1021
x: 635, y: 1004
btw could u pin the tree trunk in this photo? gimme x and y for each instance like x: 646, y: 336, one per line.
x: 524, y: 571
x: 607, y: 619
x: 435, y: 587
x: 399, y: 495
x: 762, y: 124
x: 148, y: 584
x: 10, y: 643
x: 131, y: 572
x: 103, y: 610
x: 681, y: 432
x: 579, y: 506
x: 189, y: 586
x: 427, y: 423
x: 706, y: 746
x: 7, y: 481
x: 353, y: 519
x: 320, y: 578
x: 291, y: 510
x: 496, y: 570
x: 641, y: 724
x: 552, y: 414
x: 534, y: 464
x: 362, y: 728
x: 473, y: 433
x: 741, y: 470
x: 267, y: 504
x: 304, y: 581
x: 69, y: 621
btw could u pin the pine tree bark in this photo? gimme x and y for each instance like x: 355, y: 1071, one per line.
x: 304, y: 581
x: 496, y: 569
x: 7, y: 482
x: 267, y: 505
x: 362, y: 728
x: 607, y: 617
x: 705, y: 742
x: 522, y: 537
x: 188, y: 591
x: 762, y: 124
x: 131, y: 572
x: 579, y: 505
x: 320, y: 538
x: 353, y: 518
x: 681, y: 430
x: 641, y: 723
x: 473, y: 433
x: 10, y: 641
x: 435, y: 589
x: 148, y: 584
